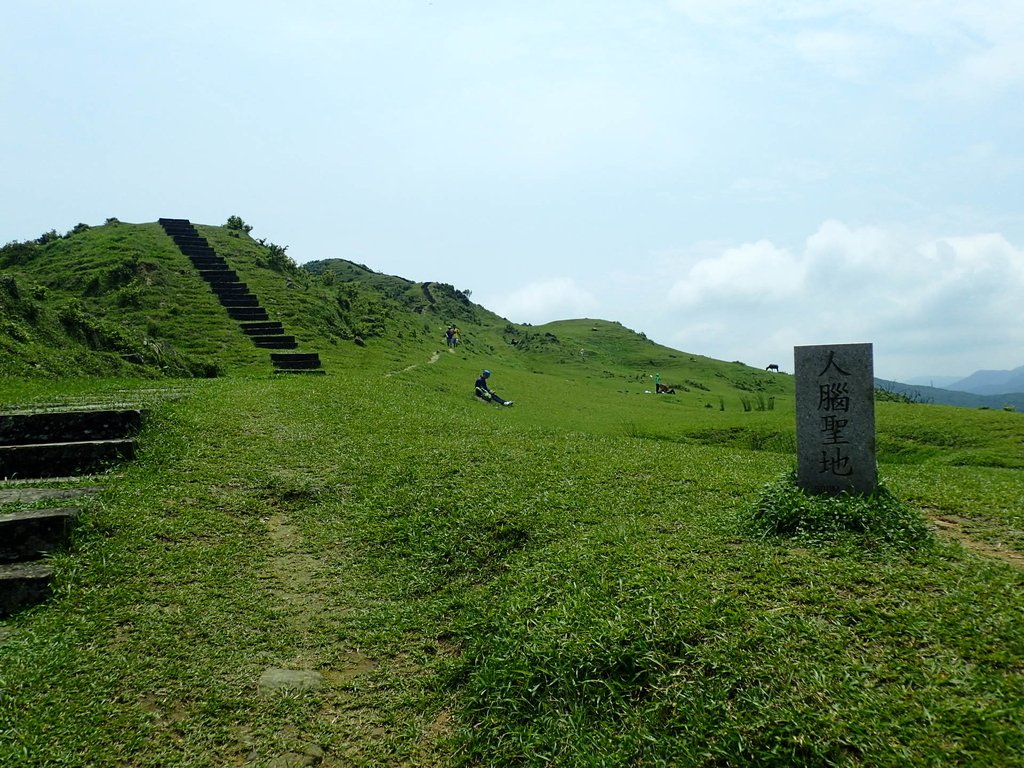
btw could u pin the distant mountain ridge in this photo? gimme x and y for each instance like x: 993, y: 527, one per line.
x: 941, y: 396
x: 991, y: 382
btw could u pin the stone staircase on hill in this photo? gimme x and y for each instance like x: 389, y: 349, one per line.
x: 35, y: 446
x: 239, y: 302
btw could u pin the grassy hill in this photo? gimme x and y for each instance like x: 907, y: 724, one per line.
x: 582, y: 579
x: 98, y: 298
x: 121, y: 299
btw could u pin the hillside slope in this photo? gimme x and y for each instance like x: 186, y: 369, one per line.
x: 122, y: 300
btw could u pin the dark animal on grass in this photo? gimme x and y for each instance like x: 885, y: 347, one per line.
x: 772, y: 367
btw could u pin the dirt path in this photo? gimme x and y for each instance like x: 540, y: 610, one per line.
x: 433, y: 359
x: 951, y: 527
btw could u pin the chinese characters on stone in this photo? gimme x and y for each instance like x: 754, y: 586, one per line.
x: 835, y: 418
x: 834, y: 399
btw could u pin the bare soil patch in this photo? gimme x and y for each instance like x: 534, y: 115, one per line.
x: 952, y: 527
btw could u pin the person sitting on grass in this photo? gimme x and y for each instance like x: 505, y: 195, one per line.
x: 484, y: 392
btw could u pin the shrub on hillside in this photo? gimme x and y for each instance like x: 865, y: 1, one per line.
x: 16, y: 253
x: 276, y: 258
x: 236, y: 223
x: 10, y: 286
x: 92, y: 331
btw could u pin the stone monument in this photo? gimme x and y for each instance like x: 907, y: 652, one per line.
x: 835, y: 418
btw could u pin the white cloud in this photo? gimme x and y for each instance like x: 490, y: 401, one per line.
x: 930, y: 305
x: 556, y: 299
x: 752, y: 273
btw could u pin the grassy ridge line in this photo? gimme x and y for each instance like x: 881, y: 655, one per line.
x: 77, y: 303
x: 73, y: 305
x: 564, y: 580
x: 88, y: 297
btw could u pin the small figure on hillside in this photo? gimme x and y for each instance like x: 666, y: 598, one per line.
x: 456, y: 336
x: 484, y: 392
x: 664, y: 389
x: 449, y: 336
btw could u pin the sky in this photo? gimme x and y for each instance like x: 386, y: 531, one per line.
x: 732, y: 178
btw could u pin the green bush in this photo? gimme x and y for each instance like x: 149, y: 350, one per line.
x: 16, y: 253
x: 236, y: 223
x: 877, y: 519
x: 10, y: 286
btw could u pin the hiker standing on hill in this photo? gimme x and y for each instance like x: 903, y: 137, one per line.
x: 484, y: 392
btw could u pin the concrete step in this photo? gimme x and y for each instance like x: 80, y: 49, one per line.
x: 239, y: 300
x: 247, y: 313
x: 230, y: 289
x: 32, y: 495
x: 269, y: 328
x: 178, y: 227
x: 62, y: 459
x: 275, y: 342
x: 219, y: 275
x: 185, y: 235
x: 30, y: 534
x: 69, y: 426
x: 207, y: 261
x: 295, y: 360
x: 23, y: 585
x: 191, y: 243
x: 275, y: 335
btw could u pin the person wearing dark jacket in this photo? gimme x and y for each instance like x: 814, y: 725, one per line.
x: 485, y: 393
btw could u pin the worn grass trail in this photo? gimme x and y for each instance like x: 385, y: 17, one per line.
x: 498, y: 586
x: 233, y: 545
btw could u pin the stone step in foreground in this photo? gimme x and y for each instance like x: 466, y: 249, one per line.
x: 32, y: 495
x: 23, y: 585
x: 29, y: 534
x: 69, y: 426
x: 62, y: 459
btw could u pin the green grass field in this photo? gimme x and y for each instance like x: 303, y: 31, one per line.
x: 570, y: 581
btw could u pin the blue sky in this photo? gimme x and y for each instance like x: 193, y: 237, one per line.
x: 732, y: 178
